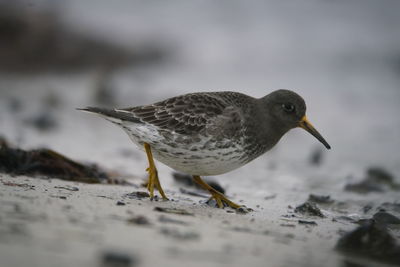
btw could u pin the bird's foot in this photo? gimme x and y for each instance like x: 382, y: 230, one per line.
x: 154, y: 182
x: 153, y: 175
x: 221, y: 199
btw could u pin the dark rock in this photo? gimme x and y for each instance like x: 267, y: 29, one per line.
x: 307, y: 222
x: 287, y: 225
x: 383, y: 217
x: 320, y: 199
x: 46, y: 162
x: 243, y: 210
x: 390, y: 206
x: 187, y: 180
x: 309, y: 209
x: 57, y: 196
x: 363, y: 187
x: 371, y: 240
x: 377, y: 180
x: 367, y: 208
x: 137, y: 195
x: 344, y: 218
x: 173, y: 211
x: 139, y: 220
x: 176, y: 234
x: 26, y: 186
x: 379, y: 175
x: 117, y: 259
x: 363, y: 221
x: 270, y: 197
x: 69, y: 188
x: 241, y: 229
x: 120, y: 203
x: 212, y: 203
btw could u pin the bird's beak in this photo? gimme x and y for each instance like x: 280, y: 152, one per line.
x: 306, y: 125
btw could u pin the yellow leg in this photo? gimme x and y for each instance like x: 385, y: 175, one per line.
x: 153, y: 175
x: 219, y: 197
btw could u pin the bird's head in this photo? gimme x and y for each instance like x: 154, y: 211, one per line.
x: 288, y: 110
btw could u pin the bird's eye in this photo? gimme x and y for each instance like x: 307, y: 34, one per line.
x: 288, y: 107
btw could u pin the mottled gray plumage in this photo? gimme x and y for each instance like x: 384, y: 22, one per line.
x: 210, y: 133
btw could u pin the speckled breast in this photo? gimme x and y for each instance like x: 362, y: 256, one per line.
x: 196, y: 154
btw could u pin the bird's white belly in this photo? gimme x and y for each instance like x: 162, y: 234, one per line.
x: 195, y: 156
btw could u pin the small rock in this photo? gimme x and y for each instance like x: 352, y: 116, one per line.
x: 377, y: 180
x: 139, y: 220
x: 371, y: 241
x: 138, y: 195
x: 117, y: 259
x: 270, y: 197
x: 309, y: 209
x: 390, y: 206
x: 383, y: 217
x: 173, y: 211
x: 241, y: 229
x: 320, y: 199
x: 60, y: 197
x: 243, y: 210
x: 307, y: 222
x: 26, y: 186
x: 69, y: 188
x: 176, y: 234
x: 367, y: 208
x: 287, y: 225
x: 348, y: 218
x: 120, y: 203
x: 379, y: 175
x: 363, y: 187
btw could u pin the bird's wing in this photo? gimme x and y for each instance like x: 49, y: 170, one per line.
x: 188, y: 114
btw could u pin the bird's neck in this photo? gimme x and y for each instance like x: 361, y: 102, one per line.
x: 270, y: 129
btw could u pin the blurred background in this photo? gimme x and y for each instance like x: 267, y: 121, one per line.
x: 343, y: 57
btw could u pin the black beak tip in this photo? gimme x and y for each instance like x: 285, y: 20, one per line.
x: 328, y: 146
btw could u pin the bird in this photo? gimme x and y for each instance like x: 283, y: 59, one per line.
x: 209, y: 133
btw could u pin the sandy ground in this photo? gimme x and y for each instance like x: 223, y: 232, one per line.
x: 47, y: 223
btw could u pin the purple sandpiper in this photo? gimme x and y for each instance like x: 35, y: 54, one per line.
x: 210, y: 133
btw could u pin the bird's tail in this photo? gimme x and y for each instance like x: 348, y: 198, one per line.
x: 113, y: 115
